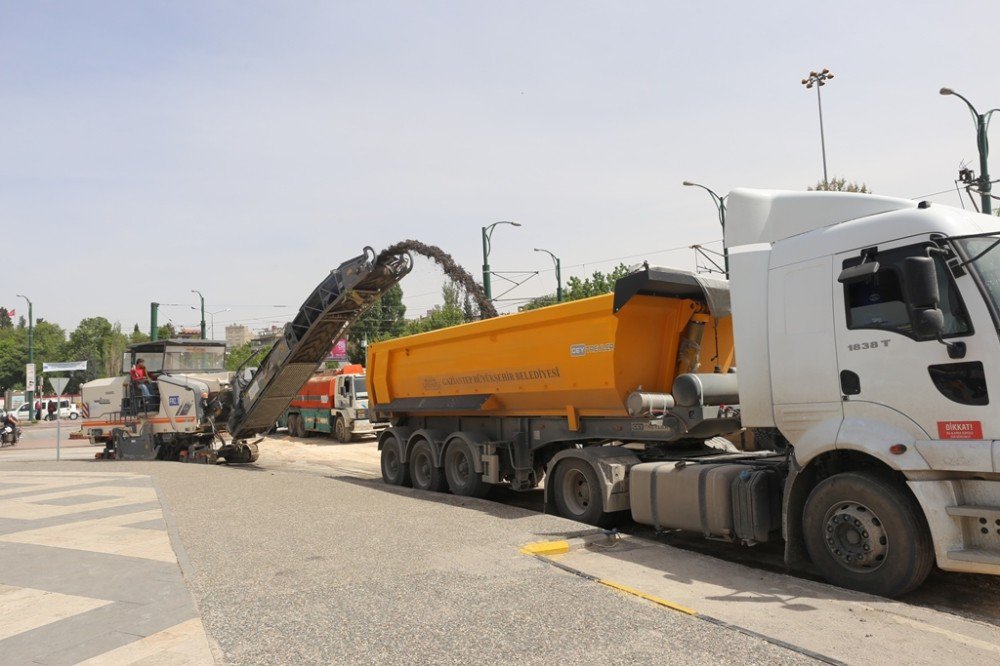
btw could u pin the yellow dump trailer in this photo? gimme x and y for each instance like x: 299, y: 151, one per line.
x: 575, y: 359
x: 579, y: 392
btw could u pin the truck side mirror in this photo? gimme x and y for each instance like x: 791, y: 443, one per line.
x: 920, y: 275
x: 928, y: 322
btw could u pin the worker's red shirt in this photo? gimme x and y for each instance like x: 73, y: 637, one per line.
x: 138, y: 374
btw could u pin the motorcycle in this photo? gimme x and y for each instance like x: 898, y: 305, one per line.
x: 8, y: 437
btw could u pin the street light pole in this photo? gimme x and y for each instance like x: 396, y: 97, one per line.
x: 195, y: 291
x: 29, y: 396
x: 487, y: 234
x: 559, y: 292
x: 212, y: 318
x: 982, y: 121
x: 720, y: 205
x: 819, y: 80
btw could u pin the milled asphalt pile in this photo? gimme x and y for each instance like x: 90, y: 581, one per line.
x: 305, y: 568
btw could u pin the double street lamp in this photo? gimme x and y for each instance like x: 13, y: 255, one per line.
x: 819, y: 79
x: 487, y: 234
x: 555, y: 259
x: 212, y: 319
x: 982, y: 121
x: 30, y: 395
x: 720, y: 205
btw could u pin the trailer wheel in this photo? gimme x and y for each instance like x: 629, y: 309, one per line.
x: 864, y: 532
x: 578, y: 493
x: 460, y: 471
x: 423, y: 473
x: 340, y: 429
x: 394, y: 470
x: 293, y: 425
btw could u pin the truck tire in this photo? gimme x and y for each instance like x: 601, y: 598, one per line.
x: 577, y: 493
x: 293, y: 427
x: 460, y: 471
x: 394, y: 471
x: 864, y: 532
x: 423, y: 474
x: 340, y: 429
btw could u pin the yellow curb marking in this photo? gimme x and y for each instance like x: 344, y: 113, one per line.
x: 648, y: 597
x: 543, y: 548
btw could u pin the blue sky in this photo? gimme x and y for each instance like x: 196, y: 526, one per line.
x: 245, y: 148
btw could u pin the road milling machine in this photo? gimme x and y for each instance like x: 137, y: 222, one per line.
x: 196, y: 410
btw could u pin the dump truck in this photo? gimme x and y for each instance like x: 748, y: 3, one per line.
x: 853, y: 344
x: 196, y: 410
x: 333, y: 402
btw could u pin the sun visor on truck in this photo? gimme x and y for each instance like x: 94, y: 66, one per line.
x: 660, y: 281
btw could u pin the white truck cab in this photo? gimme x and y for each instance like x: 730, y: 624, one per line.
x: 872, y: 329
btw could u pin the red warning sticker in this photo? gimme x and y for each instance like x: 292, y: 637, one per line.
x: 960, y: 430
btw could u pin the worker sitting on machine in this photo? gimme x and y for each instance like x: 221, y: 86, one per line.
x: 140, y: 380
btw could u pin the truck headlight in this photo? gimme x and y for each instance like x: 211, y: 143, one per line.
x: 362, y: 413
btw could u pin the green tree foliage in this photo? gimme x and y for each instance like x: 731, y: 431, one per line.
x: 839, y: 185
x: 450, y: 313
x: 101, y: 344
x: 137, y: 336
x: 5, y: 321
x: 49, y: 340
x: 595, y: 285
x: 384, y: 320
x: 237, y: 355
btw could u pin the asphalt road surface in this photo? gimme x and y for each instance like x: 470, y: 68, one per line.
x: 307, y: 557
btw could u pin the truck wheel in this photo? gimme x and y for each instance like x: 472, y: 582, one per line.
x: 394, y: 470
x: 423, y: 473
x: 460, y: 471
x: 578, y: 493
x: 293, y: 427
x: 340, y: 428
x: 865, y: 533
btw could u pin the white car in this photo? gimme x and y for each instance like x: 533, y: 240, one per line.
x: 67, y: 410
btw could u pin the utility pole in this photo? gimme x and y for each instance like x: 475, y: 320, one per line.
x: 487, y: 235
x: 29, y: 396
x: 819, y: 80
x: 982, y: 121
x: 559, y: 291
x: 154, y: 329
x: 195, y: 291
x: 720, y: 205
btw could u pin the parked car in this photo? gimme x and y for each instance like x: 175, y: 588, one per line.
x: 67, y: 410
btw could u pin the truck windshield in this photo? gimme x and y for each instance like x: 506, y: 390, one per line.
x: 187, y: 359
x: 360, y: 390
x: 984, y: 257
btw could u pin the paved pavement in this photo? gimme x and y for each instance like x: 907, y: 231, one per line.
x: 87, y: 572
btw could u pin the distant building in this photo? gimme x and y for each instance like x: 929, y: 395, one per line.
x: 267, y: 336
x: 237, y: 335
x: 189, y: 333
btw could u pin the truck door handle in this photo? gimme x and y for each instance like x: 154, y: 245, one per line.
x: 850, y: 383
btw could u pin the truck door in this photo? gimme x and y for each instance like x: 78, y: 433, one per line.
x: 343, y: 397
x: 889, y: 374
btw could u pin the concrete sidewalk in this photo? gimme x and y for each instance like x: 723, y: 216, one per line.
x: 88, y: 573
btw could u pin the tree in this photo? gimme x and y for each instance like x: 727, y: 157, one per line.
x: 137, y: 336
x: 382, y: 321
x: 237, y: 355
x: 450, y: 313
x: 840, y: 185
x: 100, y: 343
x: 5, y: 321
x: 597, y: 284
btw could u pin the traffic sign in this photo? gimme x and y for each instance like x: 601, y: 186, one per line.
x: 59, y: 383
